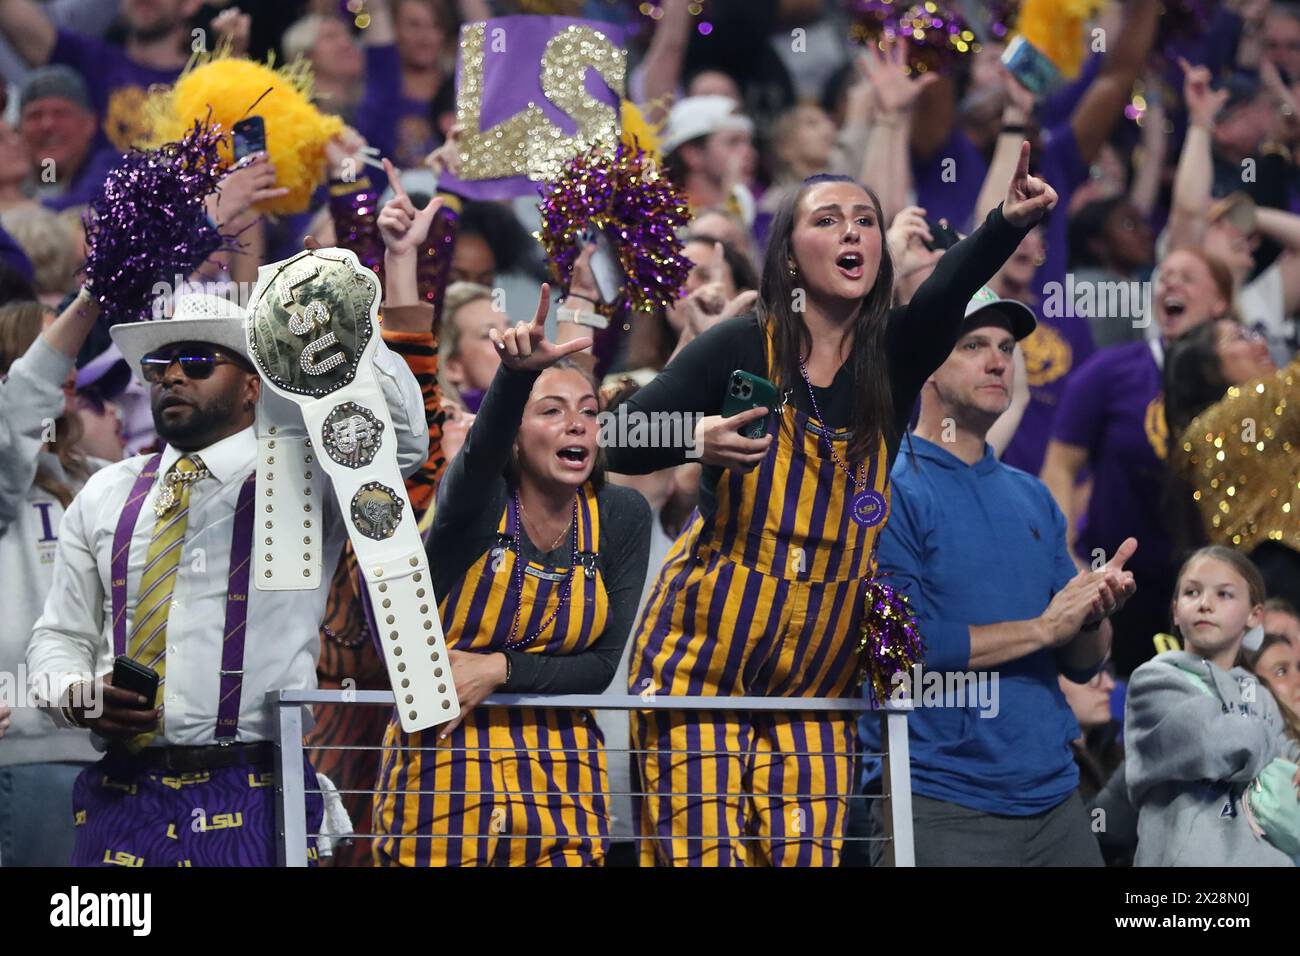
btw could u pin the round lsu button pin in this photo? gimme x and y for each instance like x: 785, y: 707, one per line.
x: 869, y: 508
x: 376, y: 510
x: 352, y: 435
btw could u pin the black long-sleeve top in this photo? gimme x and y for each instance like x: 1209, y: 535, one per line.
x: 919, y: 338
x: 470, y: 501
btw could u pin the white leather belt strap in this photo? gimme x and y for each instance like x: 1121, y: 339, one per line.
x: 287, y: 530
x: 313, y: 335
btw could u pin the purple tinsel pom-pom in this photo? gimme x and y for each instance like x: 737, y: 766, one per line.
x: 148, y: 223
x: 622, y: 193
x: 936, y: 32
x: 890, y: 640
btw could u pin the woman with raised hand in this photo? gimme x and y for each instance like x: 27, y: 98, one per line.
x: 761, y: 595
x: 538, y: 566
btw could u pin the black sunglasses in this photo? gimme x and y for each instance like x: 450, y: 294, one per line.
x: 196, y: 362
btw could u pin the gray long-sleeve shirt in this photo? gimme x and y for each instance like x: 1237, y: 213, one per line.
x: 30, y: 399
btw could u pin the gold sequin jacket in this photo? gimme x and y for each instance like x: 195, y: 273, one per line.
x: 1241, y: 458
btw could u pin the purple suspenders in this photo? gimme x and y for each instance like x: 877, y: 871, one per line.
x: 122, y: 549
x: 241, y: 552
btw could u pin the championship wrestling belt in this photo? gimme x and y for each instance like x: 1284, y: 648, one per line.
x: 312, y: 335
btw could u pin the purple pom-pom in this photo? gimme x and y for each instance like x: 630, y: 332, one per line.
x: 148, y: 223
x: 936, y: 33
x: 622, y: 193
x: 890, y: 641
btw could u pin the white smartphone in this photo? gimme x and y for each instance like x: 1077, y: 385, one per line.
x: 605, y: 268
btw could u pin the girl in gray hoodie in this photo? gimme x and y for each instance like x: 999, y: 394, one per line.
x: 1199, y: 730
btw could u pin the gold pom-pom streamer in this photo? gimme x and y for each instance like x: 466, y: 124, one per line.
x: 638, y: 130
x: 889, y: 641
x: 226, y: 88
x: 1056, y: 29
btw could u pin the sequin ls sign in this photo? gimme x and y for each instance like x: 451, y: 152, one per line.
x: 528, y: 101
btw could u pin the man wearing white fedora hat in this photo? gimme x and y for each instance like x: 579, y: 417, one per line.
x: 152, y: 583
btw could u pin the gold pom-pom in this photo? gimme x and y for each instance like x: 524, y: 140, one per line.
x: 1055, y: 28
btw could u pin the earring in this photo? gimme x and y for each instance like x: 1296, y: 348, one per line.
x: 793, y: 272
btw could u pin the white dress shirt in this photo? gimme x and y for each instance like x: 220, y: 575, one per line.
x: 74, y: 636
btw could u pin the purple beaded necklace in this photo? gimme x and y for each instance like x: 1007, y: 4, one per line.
x: 518, y: 535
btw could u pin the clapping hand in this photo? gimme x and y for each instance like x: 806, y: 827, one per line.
x: 1114, y: 585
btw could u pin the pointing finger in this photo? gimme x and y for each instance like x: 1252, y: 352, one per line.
x: 543, y: 306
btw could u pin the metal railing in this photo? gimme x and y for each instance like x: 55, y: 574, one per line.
x: 896, y: 789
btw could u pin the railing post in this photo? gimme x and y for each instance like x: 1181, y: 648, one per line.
x: 896, y: 784
x: 290, y: 792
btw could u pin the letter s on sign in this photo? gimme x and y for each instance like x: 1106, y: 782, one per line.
x: 494, y: 153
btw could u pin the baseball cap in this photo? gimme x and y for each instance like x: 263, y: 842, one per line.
x: 985, y: 305
x: 1237, y: 209
x: 697, y: 116
x: 58, y: 80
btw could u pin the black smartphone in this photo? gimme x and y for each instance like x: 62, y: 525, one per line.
x: 745, y: 391
x: 135, y: 677
x: 250, y: 137
x: 943, y: 236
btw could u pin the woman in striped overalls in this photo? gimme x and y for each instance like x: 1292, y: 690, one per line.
x: 539, y: 566
x: 761, y: 595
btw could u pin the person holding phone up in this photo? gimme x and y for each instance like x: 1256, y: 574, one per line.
x: 153, y: 636
x: 761, y: 594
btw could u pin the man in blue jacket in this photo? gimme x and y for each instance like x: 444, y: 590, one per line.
x: 980, y: 549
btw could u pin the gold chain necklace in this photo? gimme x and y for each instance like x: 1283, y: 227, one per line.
x: 558, y: 538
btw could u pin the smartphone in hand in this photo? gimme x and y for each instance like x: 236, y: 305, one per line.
x: 745, y: 391
x: 135, y: 677
x: 250, y: 137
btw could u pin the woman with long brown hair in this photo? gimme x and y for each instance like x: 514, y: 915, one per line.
x: 40, y: 471
x: 538, y: 565
x: 761, y: 594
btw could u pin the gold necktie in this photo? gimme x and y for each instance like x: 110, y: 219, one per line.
x: 148, y: 641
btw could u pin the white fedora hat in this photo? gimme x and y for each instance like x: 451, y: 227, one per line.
x: 196, y: 317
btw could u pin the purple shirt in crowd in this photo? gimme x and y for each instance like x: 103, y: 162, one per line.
x: 940, y: 200
x: 400, y: 127
x: 954, y: 198
x: 86, y: 181
x: 117, y: 85
x: 1114, y: 407
x: 1061, y: 343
